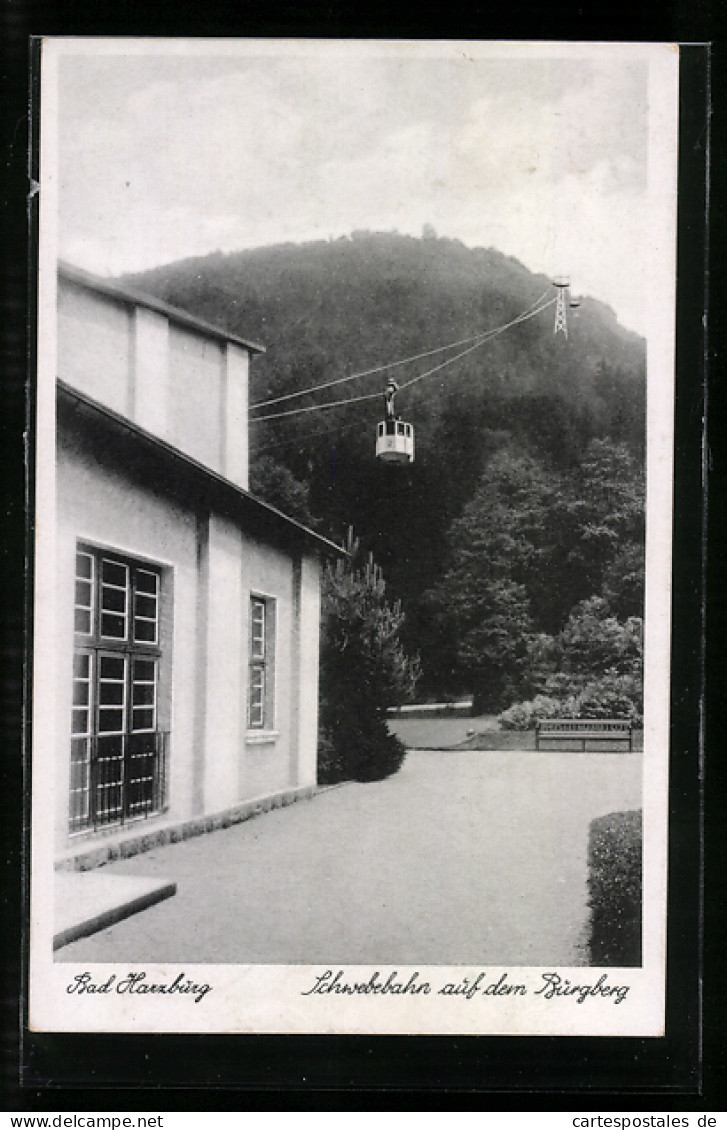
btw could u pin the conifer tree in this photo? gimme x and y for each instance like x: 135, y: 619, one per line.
x: 364, y: 670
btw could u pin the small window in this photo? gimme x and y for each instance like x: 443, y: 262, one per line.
x: 260, y: 714
x: 400, y: 429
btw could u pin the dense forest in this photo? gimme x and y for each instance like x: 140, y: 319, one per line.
x: 517, y: 533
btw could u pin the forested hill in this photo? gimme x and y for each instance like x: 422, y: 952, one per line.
x: 327, y: 309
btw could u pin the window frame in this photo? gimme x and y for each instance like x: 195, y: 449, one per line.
x: 143, y: 603
x: 261, y: 666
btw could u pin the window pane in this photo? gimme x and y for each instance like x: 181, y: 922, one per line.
x: 111, y: 694
x: 81, y: 665
x: 113, y: 627
x: 79, y: 775
x: 144, y: 671
x: 145, y: 606
x: 84, y: 590
x: 113, y: 573
x: 145, y: 631
x: 79, y: 750
x: 143, y: 718
x: 110, y: 721
x: 146, y: 582
x: 81, y: 692
x: 79, y: 722
x: 112, y: 667
x: 144, y: 694
x: 113, y: 600
x: 84, y: 565
x: 82, y: 621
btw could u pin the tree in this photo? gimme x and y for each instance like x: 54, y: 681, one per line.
x: 500, y: 544
x: 592, y: 669
x: 623, y: 581
x: 363, y: 671
x: 594, y: 642
x: 275, y: 484
x: 544, y: 566
x: 603, y: 519
x: 494, y: 650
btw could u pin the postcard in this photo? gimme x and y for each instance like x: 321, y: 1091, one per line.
x: 355, y: 417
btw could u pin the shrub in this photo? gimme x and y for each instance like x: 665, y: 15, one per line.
x: 331, y: 763
x: 615, y: 889
x: 613, y: 696
x: 594, y: 640
x: 363, y: 671
x: 524, y: 715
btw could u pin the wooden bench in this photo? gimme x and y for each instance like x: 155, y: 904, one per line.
x: 583, y: 730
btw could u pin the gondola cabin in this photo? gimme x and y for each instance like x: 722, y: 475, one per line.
x: 395, y: 441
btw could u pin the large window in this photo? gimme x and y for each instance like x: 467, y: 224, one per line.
x: 261, y: 706
x: 117, y: 745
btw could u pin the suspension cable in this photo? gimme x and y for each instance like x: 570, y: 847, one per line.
x: 491, y: 335
x: 380, y: 368
x: 376, y: 395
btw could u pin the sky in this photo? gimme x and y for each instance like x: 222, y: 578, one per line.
x: 540, y: 153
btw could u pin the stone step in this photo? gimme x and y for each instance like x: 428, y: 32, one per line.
x: 86, y: 902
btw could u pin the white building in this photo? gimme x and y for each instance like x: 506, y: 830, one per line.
x: 188, y: 611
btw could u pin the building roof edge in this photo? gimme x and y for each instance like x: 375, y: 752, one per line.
x: 174, y: 454
x: 124, y: 293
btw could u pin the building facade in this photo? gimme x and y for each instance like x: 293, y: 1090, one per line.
x: 187, y: 610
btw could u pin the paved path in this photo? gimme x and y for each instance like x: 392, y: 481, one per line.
x: 460, y: 858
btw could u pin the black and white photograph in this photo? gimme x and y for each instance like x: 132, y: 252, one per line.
x: 355, y: 404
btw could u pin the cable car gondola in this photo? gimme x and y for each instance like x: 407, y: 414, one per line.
x: 394, y: 437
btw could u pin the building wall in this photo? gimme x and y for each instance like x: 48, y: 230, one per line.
x: 185, y: 386
x: 95, y: 504
x: 215, y: 566
x: 265, y: 755
x: 95, y: 345
x: 310, y: 620
x: 195, y: 409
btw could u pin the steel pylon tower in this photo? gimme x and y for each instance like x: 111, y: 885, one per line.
x: 561, y: 324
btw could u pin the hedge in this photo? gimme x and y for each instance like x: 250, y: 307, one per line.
x: 615, y: 889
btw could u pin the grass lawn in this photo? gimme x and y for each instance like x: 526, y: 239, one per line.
x: 469, y: 733
x: 439, y: 733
